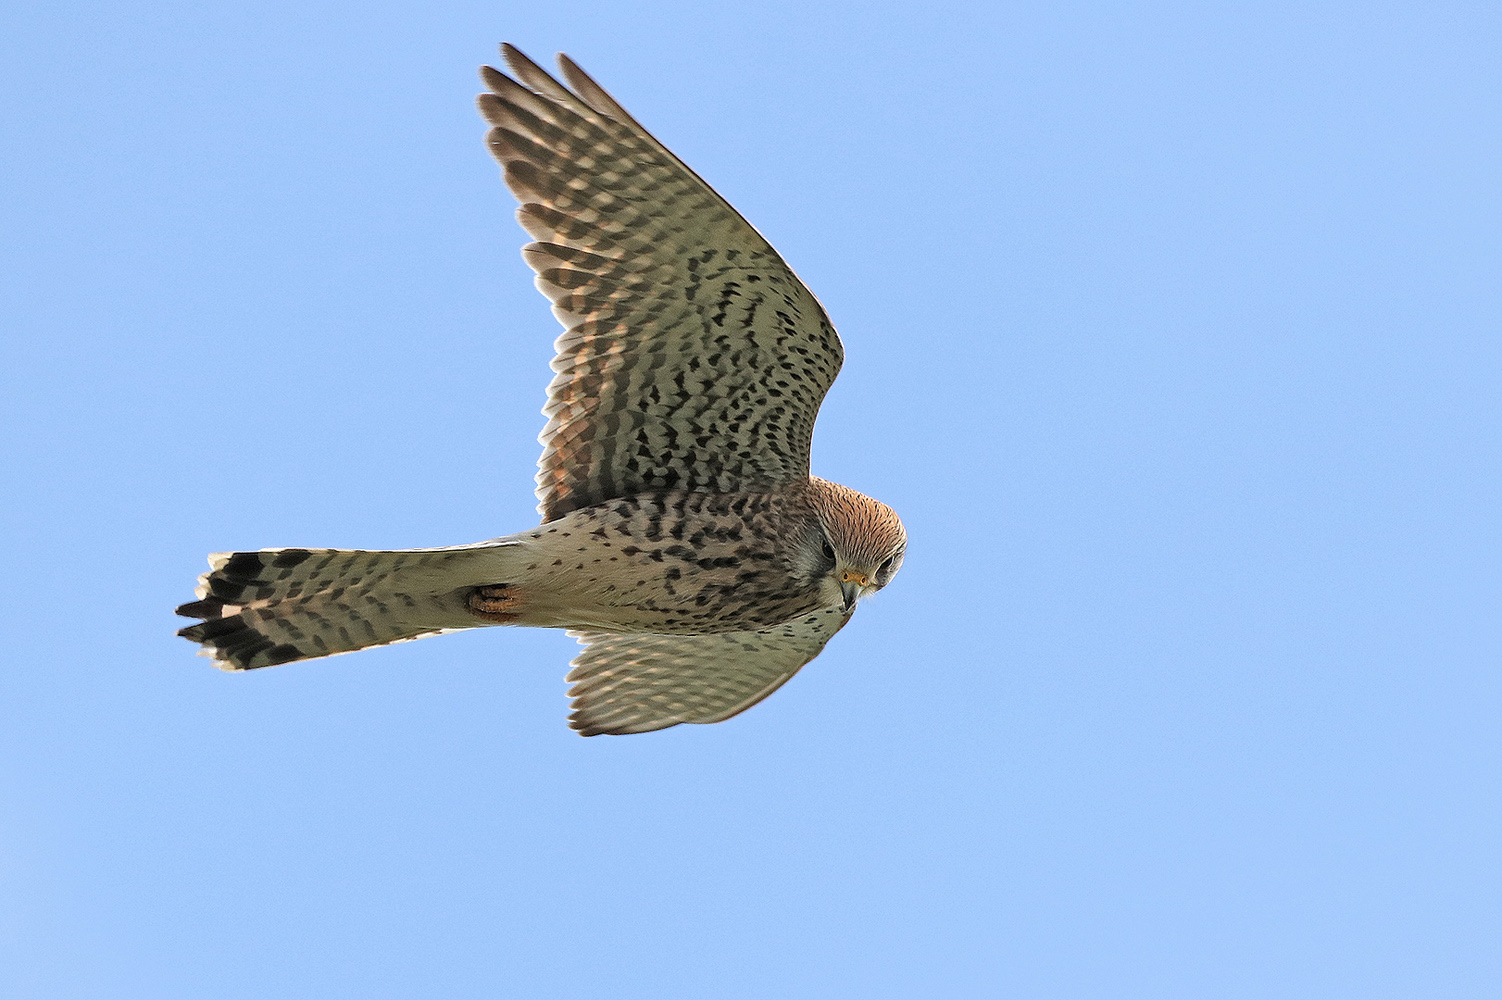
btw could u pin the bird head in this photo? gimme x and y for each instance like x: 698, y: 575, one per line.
x: 863, y: 541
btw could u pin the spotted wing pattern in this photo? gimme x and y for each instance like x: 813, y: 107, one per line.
x: 638, y: 683
x: 692, y: 358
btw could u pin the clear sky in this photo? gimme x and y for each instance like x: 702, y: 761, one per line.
x: 1172, y: 332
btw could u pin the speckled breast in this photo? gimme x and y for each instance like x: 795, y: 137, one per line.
x: 674, y: 563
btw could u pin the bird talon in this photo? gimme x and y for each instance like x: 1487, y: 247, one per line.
x: 496, y: 603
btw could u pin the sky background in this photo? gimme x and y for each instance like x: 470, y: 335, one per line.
x: 1171, y: 332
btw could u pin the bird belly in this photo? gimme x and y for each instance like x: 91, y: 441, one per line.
x: 676, y: 564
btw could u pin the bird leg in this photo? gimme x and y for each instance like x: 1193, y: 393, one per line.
x: 497, y: 603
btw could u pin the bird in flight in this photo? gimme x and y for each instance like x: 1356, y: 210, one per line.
x: 683, y: 541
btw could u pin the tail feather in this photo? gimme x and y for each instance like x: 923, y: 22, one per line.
x: 263, y: 608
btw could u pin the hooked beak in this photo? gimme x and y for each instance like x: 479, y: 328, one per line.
x: 851, y: 585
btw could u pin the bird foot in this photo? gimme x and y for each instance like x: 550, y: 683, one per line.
x: 496, y: 603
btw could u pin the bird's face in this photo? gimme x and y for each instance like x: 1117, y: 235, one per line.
x: 862, y: 543
x: 857, y: 577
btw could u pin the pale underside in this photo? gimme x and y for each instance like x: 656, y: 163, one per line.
x: 638, y: 683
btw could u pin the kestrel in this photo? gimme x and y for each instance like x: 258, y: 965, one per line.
x: 683, y: 541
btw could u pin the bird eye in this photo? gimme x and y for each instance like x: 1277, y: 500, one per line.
x: 828, y: 550
x: 885, y: 566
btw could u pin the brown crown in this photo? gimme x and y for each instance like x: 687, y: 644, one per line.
x: 866, y: 531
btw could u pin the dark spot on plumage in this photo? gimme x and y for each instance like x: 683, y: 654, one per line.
x: 285, y: 653
x: 228, y: 590
x: 243, y: 650
x: 290, y: 557
x: 242, y: 564
x: 213, y: 629
x: 209, y: 607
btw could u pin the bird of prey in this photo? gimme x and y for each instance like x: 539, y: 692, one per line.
x: 683, y: 541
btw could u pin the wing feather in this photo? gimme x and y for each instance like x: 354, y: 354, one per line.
x: 692, y: 357
x: 638, y: 683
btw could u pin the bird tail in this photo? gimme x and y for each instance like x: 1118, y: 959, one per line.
x: 279, y: 605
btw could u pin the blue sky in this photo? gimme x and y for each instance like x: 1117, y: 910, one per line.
x: 1171, y: 332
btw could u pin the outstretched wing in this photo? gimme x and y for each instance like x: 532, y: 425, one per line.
x: 692, y: 357
x: 638, y: 683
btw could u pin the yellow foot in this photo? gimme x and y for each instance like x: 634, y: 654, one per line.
x: 494, y: 604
